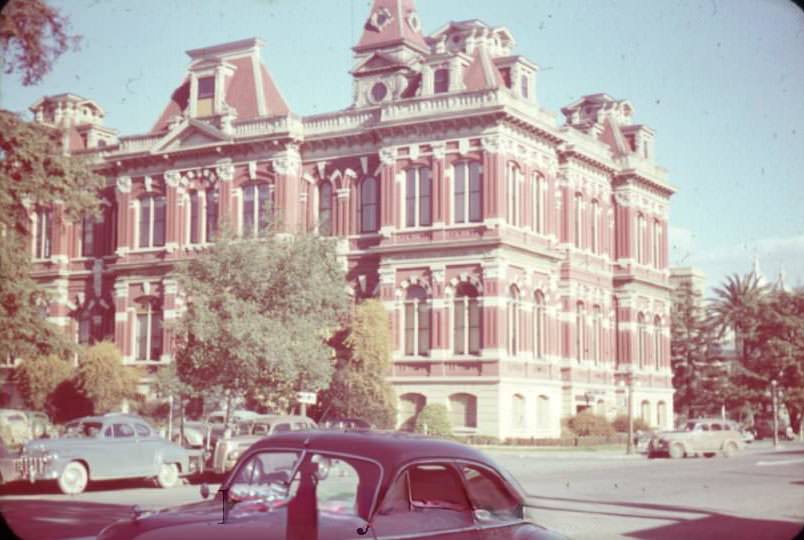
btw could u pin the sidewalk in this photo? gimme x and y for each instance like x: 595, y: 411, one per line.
x: 609, y: 451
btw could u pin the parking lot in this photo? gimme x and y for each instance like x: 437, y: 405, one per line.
x: 758, y: 494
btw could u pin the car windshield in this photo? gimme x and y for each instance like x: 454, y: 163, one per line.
x: 690, y: 426
x: 83, y: 429
x: 261, y: 429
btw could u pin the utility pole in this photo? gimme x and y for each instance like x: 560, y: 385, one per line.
x: 630, y: 384
x: 775, y: 415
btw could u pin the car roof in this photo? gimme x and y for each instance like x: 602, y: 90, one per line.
x: 281, y: 418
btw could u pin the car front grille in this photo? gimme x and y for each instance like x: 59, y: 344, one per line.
x: 31, y: 466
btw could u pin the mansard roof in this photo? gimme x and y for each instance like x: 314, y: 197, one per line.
x: 392, y: 22
x: 250, y: 89
x: 482, y: 74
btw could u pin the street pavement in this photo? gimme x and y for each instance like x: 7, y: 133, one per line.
x: 756, y: 495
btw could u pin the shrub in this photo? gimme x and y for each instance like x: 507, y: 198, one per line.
x: 587, y: 423
x: 435, y: 419
x: 37, y: 379
x: 621, y: 424
x: 103, y: 379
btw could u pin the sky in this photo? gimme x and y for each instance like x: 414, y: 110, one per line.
x: 720, y: 81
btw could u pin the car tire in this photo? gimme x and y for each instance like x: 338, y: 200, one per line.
x: 168, y: 476
x: 730, y: 449
x: 677, y: 451
x: 73, y: 479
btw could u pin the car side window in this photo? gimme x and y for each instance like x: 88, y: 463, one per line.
x: 142, y: 430
x: 716, y: 427
x: 266, y: 475
x: 281, y: 428
x: 436, y: 486
x: 489, y: 496
x: 122, y: 431
x: 705, y: 427
x: 108, y: 432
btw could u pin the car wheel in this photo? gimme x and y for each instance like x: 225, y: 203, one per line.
x: 74, y: 478
x: 168, y: 476
x: 730, y: 449
x: 677, y: 451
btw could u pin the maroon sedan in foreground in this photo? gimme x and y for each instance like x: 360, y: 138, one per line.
x: 329, y: 485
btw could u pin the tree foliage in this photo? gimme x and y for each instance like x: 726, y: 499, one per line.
x: 359, y: 387
x: 103, y: 379
x: 434, y: 420
x: 588, y: 423
x: 257, y: 316
x: 37, y: 379
x: 32, y: 36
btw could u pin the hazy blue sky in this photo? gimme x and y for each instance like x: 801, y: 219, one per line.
x: 721, y: 82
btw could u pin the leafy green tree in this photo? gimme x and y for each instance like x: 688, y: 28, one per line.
x: 587, y: 423
x: 257, y: 316
x: 736, y: 307
x: 34, y: 173
x: 32, y: 36
x: 38, y: 377
x: 359, y: 387
x: 103, y: 379
x: 434, y: 420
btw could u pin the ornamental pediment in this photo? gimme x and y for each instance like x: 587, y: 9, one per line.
x: 189, y: 133
x: 378, y: 62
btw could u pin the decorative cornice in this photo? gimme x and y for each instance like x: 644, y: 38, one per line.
x: 491, y: 144
x: 124, y: 184
x: 224, y: 168
x: 172, y: 178
x: 387, y: 156
x: 439, y: 150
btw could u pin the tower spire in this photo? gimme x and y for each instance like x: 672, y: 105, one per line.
x: 392, y: 22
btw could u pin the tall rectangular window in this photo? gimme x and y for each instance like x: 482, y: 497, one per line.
x: 523, y: 80
x: 211, y: 202
x: 325, y: 209
x: 418, y: 197
x: 195, y: 218
x: 257, y: 208
x: 111, y: 230
x: 206, y: 96
x: 87, y: 237
x: 467, y: 192
x: 441, y: 81
x: 152, y: 221
x: 369, y: 198
x: 149, y: 334
x: 43, y: 234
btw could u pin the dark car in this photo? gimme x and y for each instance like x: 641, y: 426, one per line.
x: 335, y: 485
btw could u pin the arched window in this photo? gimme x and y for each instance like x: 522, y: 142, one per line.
x: 418, y: 197
x: 640, y: 243
x: 149, y: 332
x: 466, y: 327
x: 595, y: 226
x: 518, y: 411
x: 463, y: 410
x: 543, y: 412
x: 87, y: 236
x: 417, y: 322
x: 580, y: 332
x: 657, y: 342
x: 661, y: 414
x: 410, y: 405
x: 641, y: 340
x: 258, y: 208
x: 538, y: 325
x: 578, y: 221
x: 152, y: 219
x: 596, y: 330
x: 43, y: 234
x: 645, y: 412
x: 514, y: 307
x: 369, y: 214
x: 514, y: 180
x: 325, y: 209
x: 538, y: 203
x: 467, y: 201
x: 657, y: 244
x: 441, y: 81
x: 203, y: 217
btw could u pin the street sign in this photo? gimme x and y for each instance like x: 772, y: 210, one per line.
x: 306, y: 397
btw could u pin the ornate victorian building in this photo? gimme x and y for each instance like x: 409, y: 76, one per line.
x: 523, y: 259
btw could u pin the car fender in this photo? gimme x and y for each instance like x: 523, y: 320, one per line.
x: 170, y: 453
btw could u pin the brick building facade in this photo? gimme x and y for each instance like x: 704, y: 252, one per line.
x: 523, y: 259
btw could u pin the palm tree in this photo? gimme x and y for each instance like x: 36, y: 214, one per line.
x: 735, y: 307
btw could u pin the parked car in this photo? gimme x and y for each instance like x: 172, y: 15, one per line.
x: 39, y: 423
x: 102, y: 448
x: 706, y: 436
x: 347, y: 423
x: 228, y: 449
x: 338, y: 485
x: 9, y: 464
x: 763, y: 429
x: 16, y: 423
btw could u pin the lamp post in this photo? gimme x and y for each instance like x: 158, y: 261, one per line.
x: 630, y: 384
x: 775, y: 415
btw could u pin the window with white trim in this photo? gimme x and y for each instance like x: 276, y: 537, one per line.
x: 514, y: 316
x: 369, y: 205
x: 195, y: 217
x: 152, y: 219
x: 149, y: 333
x: 463, y: 410
x: 43, y: 234
x: 467, y: 190
x: 578, y: 221
x: 538, y: 325
x: 466, y: 324
x: 538, y: 203
x: 518, y: 411
x: 580, y: 332
x: 416, y: 315
x: 657, y: 244
x: 325, y: 209
x: 640, y: 243
x: 258, y: 209
x: 87, y: 236
x: 441, y: 81
x: 596, y: 331
x: 595, y: 226
x: 418, y: 197
x: 657, y: 342
x: 514, y: 181
x: 641, y: 340
x: 211, y: 201
x: 543, y: 412
x: 84, y: 336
